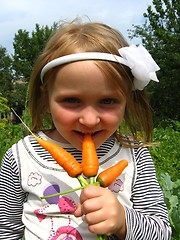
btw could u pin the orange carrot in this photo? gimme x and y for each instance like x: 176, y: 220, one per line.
x: 108, y: 176
x: 90, y: 163
x: 62, y: 157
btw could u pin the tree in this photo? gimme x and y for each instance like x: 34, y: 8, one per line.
x: 27, y: 47
x: 161, y: 36
x: 6, y: 83
x: 3, y: 104
x: 3, y: 110
x: 12, y: 90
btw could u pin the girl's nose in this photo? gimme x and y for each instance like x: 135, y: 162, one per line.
x: 89, y: 117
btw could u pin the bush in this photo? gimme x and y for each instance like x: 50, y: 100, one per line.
x: 10, y: 134
x: 171, y: 192
x: 166, y: 154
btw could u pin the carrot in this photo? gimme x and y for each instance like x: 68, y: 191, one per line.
x: 60, y: 155
x: 90, y: 163
x: 108, y: 176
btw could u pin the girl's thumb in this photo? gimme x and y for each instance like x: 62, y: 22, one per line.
x: 78, y: 211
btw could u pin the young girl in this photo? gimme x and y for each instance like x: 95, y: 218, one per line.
x: 87, y: 80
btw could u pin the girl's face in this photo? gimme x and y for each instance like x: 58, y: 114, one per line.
x: 82, y: 100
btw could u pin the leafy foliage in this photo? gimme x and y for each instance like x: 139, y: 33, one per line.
x: 12, y: 90
x: 27, y: 48
x: 10, y: 134
x: 6, y: 83
x: 166, y: 154
x: 18, y: 96
x: 3, y: 104
x: 15, y: 70
x: 160, y: 35
x: 171, y: 192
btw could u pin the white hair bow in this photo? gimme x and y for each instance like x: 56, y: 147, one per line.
x: 142, y: 65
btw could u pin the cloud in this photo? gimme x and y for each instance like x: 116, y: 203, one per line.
x: 34, y: 179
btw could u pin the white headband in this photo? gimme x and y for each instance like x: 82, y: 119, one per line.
x: 138, y: 59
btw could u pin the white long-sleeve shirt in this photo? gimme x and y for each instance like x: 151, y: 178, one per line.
x: 29, y: 172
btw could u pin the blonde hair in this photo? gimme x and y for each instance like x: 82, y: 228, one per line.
x: 91, y: 37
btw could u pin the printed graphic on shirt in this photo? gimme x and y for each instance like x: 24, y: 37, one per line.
x: 64, y: 232
x: 34, y: 179
x: 52, y: 189
x: 66, y: 205
x: 40, y: 213
x: 61, y: 204
x: 67, y: 233
x: 117, y: 186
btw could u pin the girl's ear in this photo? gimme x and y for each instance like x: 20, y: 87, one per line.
x: 45, y: 98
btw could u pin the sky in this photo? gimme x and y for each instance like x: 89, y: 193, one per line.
x: 24, y: 14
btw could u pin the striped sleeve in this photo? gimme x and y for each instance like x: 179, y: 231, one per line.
x: 11, y: 199
x: 148, y: 219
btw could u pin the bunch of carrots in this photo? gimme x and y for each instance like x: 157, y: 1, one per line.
x: 89, y: 166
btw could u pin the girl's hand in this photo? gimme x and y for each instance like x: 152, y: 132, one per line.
x: 103, y: 212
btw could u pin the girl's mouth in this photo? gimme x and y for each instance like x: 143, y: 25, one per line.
x: 93, y: 134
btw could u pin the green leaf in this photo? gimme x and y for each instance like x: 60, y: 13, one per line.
x: 173, y: 200
x: 167, y: 183
x: 175, y: 216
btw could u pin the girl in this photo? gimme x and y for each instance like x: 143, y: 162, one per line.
x: 87, y: 80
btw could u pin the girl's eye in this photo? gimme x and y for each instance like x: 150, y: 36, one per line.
x: 108, y: 101
x: 71, y: 100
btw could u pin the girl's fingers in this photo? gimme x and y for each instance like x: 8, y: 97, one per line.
x: 91, y: 205
x: 88, y: 201
x: 94, y: 217
x: 102, y: 228
x: 91, y: 192
x: 99, y: 228
x: 100, y: 223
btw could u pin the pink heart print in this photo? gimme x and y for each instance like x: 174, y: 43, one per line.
x: 66, y: 205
